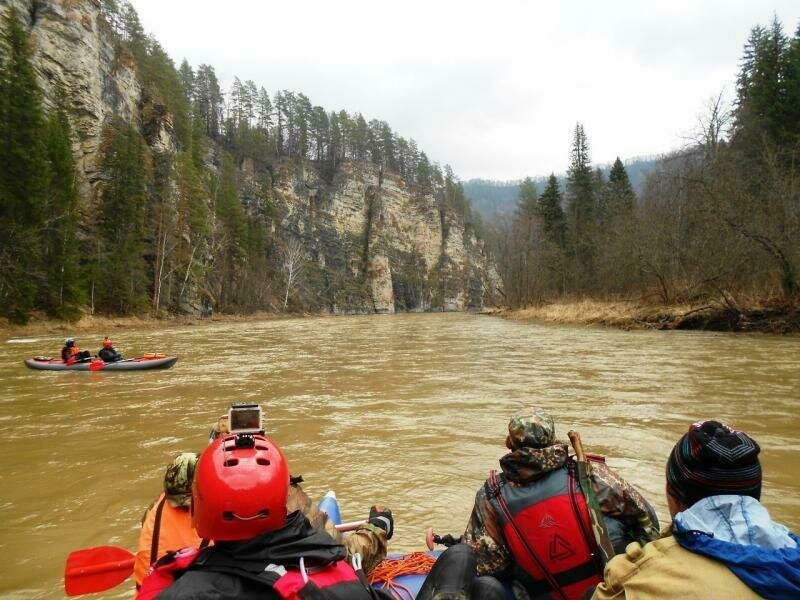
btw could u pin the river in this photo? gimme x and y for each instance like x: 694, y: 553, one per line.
x: 409, y: 411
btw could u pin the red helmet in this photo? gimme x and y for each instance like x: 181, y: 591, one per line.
x: 238, y: 491
x: 107, y: 343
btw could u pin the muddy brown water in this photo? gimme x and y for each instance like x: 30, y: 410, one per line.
x: 408, y: 410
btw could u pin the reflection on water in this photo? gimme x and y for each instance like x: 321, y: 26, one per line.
x: 409, y: 411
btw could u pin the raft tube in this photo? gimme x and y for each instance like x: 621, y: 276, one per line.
x: 131, y: 364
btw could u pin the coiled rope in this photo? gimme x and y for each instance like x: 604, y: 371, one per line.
x: 416, y: 563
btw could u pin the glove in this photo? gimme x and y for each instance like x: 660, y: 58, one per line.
x: 379, y: 517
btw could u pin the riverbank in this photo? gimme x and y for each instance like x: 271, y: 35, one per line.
x: 44, y: 326
x: 767, y: 318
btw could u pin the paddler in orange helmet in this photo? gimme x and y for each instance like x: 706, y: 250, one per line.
x: 108, y: 353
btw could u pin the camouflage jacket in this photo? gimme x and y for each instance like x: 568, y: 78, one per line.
x: 368, y: 541
x: 525, y: 466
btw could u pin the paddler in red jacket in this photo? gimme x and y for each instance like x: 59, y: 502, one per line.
x: 530, y: 522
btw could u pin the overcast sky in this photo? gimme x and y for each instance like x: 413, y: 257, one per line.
x: 492, y: 88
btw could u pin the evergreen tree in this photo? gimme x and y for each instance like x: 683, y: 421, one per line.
x: 793, y: 89
x: 619, y: 195
x: 581, y: 206
x: 528, y: 196
x: 186, y: 76
x: 62, y: 292
x: 552, y: 214
x: 121, y: 282
x: 23, y: 175
x: 761, y: 106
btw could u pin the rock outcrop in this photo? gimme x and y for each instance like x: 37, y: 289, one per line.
x: 410, y: 252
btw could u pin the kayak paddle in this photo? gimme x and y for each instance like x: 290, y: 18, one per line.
x: 96, y: 569
x: 595, y: 515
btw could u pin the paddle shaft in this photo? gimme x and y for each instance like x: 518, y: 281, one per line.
x: 595, y: 515
x: 351, y: 526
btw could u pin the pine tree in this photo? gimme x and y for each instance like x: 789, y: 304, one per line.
x: 62, y: 293
x: 528, y: 197
x: 552, y: 214
x: 121, y: 284
x: 619, y: 195
x: 581, y: 206
x: 761, y: 106
x: 23, y: 175
x: 186, y: 76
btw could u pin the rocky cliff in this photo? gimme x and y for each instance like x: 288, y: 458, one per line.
x: 371, y: 242
x: 410, y: 252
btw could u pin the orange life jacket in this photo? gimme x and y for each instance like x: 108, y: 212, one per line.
x: 173, y: 531
x: 68, y: 353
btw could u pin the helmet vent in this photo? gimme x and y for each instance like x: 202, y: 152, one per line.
x: 231, y: 462
x: 261, y: 447
x: 262, y: 461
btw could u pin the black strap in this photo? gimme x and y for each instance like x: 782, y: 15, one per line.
x: 156, y: 530
x: 551, y: 581
x: 566, y: 578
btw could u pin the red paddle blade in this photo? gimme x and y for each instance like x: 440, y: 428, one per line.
x: 97, y: 364
x: 96, y: 569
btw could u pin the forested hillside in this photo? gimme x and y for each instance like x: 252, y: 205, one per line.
x: 131, y: 186
x: 716, y: 224
x: 491, y: 198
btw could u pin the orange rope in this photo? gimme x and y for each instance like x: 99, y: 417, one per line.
x: 416, y: 563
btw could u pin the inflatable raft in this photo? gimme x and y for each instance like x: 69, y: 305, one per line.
x: 139, y: 363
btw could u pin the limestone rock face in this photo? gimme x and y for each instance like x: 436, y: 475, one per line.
x: 408, y: 252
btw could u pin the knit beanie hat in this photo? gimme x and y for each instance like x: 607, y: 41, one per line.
x: 713, y: 459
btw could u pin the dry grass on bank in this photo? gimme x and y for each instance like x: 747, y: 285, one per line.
x: 39, y: 325
x: 768, y: 317
x: 597, y: 312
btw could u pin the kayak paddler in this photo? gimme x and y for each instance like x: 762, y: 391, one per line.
x: 108, y: 353
x: 70, y: 353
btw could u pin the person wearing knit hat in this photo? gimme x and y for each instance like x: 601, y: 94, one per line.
x: 536, y: 505
x: 712, y: 459
x: 722, y: 543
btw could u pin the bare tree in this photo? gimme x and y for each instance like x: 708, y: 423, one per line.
x: 292, y: 265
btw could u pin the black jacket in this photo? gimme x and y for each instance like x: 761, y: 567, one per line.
x: 239, y: 569
x: 109, y: 355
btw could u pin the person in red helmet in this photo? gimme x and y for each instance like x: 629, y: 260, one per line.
x: 108, y: 353
x: 239, y: 497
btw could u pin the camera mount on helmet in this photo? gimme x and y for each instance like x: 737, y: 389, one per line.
x: 245, y: 418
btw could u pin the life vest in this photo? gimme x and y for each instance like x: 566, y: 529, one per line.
x: 334, y: 581
x: 164, y: 529
x: 68, y: 353
x: 547, y: 529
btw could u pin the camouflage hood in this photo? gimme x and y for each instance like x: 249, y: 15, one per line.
x: 525, y: 465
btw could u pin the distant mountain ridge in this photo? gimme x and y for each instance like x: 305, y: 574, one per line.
x: 490, y: 197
